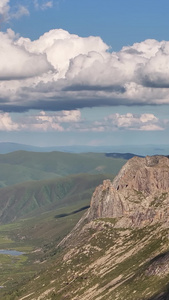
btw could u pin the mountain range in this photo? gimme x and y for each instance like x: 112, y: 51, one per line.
x: 7, y: 147
x: 119, y: 248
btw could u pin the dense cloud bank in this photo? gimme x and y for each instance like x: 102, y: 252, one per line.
x: 64, y: 71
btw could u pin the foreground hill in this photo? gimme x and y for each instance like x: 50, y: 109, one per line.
x: 119, y: 249
x: 22, y: 166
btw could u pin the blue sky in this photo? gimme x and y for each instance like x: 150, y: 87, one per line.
x: 84, y: 72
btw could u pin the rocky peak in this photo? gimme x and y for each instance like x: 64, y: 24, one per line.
x: 138, y: 195
x: 144, y: 174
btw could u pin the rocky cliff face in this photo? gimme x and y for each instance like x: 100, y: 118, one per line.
x: 139, y: 195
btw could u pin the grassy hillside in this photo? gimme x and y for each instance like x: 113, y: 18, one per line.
x: 36, y: 197
x: 22, y: 166
x: 37, y: 237
x: 11, y: 174
x: 103, y: 262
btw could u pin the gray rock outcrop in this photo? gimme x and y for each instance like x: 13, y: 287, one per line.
x: 139, y: 194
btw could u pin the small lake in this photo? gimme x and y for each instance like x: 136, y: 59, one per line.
x: 11, y: 252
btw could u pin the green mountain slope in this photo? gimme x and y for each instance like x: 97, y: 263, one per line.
x: 21, y: 166
x: 11, y: 174
x: 102, y: 262
x: 37, y: 237
x: 36, y: 197
x: 118, y: 250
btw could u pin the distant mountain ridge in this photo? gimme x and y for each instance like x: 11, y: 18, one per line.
x: 7, y: 147
x: 22, y: 166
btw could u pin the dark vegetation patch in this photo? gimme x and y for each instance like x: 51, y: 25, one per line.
x: 122, y: 155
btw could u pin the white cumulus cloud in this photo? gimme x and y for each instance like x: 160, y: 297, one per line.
x: 66, y: 121
x: 43, y: 121
x: 17, y: 63
x: 62, y: 71
x: 131, y: 121
x: 6, y: 123
x: 64, y: 116
x: 61, y: 47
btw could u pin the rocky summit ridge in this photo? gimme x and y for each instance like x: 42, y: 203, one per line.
x: 138, y: 196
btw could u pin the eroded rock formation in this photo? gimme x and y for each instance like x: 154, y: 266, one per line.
x: 139, y: 195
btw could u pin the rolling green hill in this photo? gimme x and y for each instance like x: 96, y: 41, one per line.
x: 22, y: 166
x: 36, y: 197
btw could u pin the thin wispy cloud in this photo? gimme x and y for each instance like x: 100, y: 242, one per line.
x: 42, y: 5
x: 10, y: 10
x: 4, y: 10
x: 19, y: 12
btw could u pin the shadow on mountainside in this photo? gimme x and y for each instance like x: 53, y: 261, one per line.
x: 161, y: 296
x: 159, y: 265
x: 72, y: 213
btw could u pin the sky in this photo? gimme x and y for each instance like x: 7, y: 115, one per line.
x: 88, y: 72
